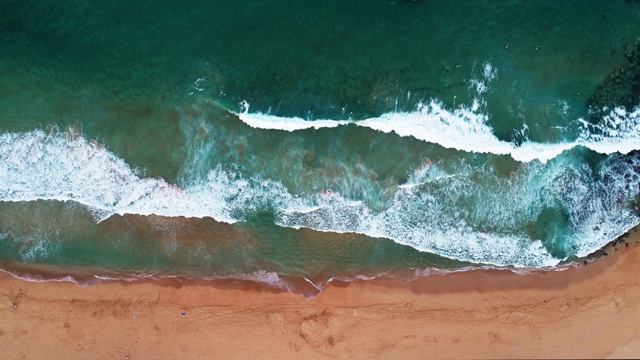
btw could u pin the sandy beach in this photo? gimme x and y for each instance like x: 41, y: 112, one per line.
x: 588, y: 311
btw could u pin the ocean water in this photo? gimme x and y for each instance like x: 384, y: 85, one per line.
x: 283, y: 140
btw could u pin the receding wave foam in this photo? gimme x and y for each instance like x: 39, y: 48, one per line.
x: 465, y: 128
x: 59, y: 166
x: 425, y: 213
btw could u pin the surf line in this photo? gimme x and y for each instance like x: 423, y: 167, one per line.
x: 462, y: 129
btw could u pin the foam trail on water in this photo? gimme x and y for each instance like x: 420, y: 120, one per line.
x: 424, y: 213
x: 267, y: 122
x: 618, y: 131
x: 465, y: 128
x: 60, y: 166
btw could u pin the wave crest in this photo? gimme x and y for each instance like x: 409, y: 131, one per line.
x: 463, y: 213
x: 466, y: 129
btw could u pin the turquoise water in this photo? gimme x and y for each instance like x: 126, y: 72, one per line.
x: 315, y: 139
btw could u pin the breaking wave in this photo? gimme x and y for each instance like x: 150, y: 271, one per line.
x: 468, y: 214
x: 465, y: 128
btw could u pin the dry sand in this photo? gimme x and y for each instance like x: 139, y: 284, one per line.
x: 588, y: 311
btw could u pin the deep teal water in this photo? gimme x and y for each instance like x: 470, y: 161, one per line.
x: 204, y: 138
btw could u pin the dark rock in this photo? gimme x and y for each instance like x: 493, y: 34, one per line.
x: 621, y: 87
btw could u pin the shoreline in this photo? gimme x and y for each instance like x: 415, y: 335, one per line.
x: 584, y: 311
x: 274, y: 282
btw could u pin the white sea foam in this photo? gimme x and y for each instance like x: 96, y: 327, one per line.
x: 407, y: 223
x: 425, y: 214
x: 39, y: 279
x: 618, y: 131
x: 40, y: 166
x: 466, y: 128
x: 267, y: 278
x: 267, y: 122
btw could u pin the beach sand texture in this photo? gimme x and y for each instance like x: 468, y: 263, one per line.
x: 588, y: 311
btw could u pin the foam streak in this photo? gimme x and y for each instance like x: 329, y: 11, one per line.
x: 466, y: 129
x: 423, y: 214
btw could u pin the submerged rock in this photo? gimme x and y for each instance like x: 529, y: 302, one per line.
x: 621, y: 87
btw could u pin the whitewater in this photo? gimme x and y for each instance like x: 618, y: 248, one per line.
x: 63, y: 166
x: 465, y: 128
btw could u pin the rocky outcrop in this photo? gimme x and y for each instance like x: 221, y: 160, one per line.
x: 622, y: 86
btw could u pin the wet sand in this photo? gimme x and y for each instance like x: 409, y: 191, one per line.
x: 585, y: 311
